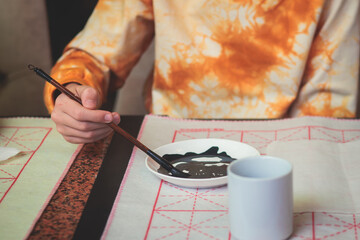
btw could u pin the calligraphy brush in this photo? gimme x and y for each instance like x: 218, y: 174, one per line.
x: 162, y: 161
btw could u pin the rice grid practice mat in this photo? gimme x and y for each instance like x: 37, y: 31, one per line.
x: 149, y: 208
x: 30, y: 178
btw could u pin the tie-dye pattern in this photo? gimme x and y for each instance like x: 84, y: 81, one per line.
x: 224, y: 58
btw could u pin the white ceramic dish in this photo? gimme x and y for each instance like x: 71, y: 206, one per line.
x: 234, y: 149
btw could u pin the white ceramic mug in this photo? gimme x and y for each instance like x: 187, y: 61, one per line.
x: 260, y: 198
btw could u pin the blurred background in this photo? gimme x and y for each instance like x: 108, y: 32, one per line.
x: 36, y: 32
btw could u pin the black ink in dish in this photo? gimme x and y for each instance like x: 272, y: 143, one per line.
x: 209, y: 164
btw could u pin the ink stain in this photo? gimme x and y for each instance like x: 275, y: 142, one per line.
x: 209, y: 164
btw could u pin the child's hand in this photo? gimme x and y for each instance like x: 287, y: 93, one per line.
x: 82, y: 124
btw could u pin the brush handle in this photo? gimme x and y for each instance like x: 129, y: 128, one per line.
x: 53, y: 82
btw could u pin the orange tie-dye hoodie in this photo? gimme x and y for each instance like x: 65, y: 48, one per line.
x: 223, y: 58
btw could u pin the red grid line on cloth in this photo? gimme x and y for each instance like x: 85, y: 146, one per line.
x: 192, y: 215
x: 190, y: 226
x: 354, y: 138
x: 17, y: 139
x: 21, y: 137
x: 190, y: 195
x: 356, y: 226
x: 325, y: 133
x: 176, y: 202
x: 185, y: 227
x: 324, y: 225
x: 153, y: 210
x: 11, y: 140
x: 7, y: 173
x: 6, y: 180
x: 193, y: 130
x: 8, y: 140
x: 297, y: 131
x: 312, y: 225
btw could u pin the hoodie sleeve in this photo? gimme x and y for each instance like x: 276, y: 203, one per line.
x: 104, y: 52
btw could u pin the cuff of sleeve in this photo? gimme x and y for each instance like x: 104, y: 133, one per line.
x: 50, y: 91
x: 75, y: 68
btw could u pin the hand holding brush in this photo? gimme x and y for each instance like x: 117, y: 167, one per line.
x: 110, y: 125
x: 76, y: 115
